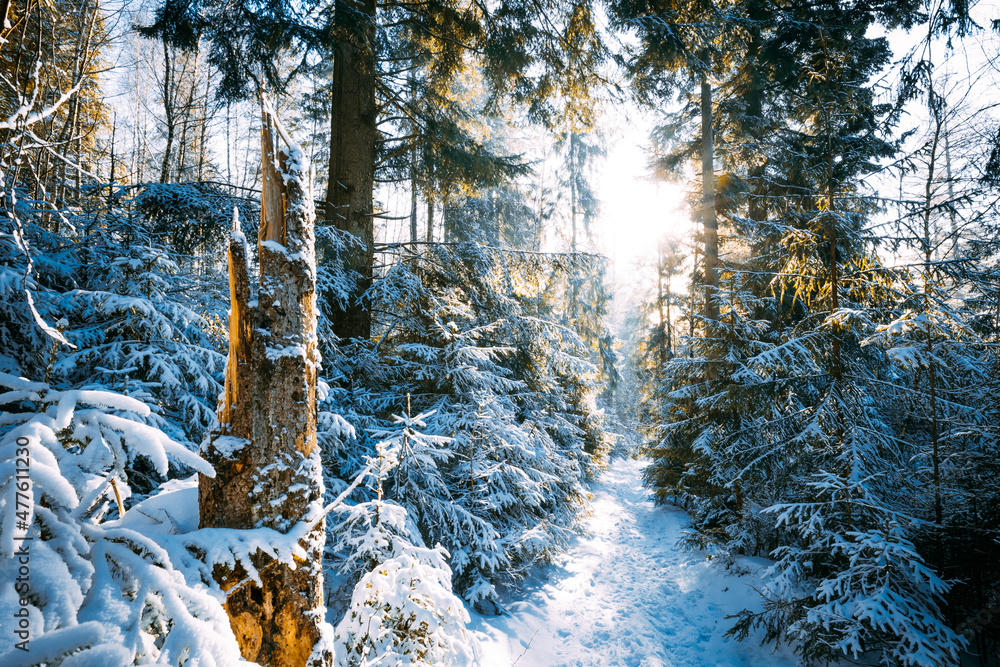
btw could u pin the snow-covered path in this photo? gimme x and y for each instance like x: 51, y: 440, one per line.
x: 625, y: 594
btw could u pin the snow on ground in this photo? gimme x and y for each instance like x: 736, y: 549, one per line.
x: 626, y: 594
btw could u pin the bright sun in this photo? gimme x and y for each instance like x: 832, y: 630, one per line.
x: 636, y: 210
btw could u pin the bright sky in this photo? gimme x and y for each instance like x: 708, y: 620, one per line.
x: 636, y: 209
x: 637, y: 213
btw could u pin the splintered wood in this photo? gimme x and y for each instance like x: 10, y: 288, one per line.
x: 267, y: 466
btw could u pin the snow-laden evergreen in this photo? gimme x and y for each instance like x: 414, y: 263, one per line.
x: 143, y: 317
x: 781, y: 447
x: 513, y: 428
x: 100, y: 591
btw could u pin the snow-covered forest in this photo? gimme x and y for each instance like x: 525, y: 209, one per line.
x: 314, y: 349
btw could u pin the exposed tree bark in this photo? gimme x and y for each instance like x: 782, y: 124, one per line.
x: 267, y: 463
x: 353, y: 132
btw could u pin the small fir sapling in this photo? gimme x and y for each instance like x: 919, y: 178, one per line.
x: 402, y: 610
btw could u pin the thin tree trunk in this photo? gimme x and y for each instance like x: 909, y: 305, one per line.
x: 659, y: 306
x: 574, y: 277
x: 430, y: 217
x: 266, y: 460
x: 832, y: 221
x: 168, y: 114
x: 708, y: 197
x: 202, y: 148
x: 834, y: 275
x: 692, y: 307
x: 448, y: 221
x: 414, y: 232
x: 414, y: 131
x: 670, y: 326
x: 187, y: 111
x: 951, y: 187
x: 928, y: 243
x: 497, y: 217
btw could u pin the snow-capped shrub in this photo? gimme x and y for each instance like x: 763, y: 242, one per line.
x: 404, y: 613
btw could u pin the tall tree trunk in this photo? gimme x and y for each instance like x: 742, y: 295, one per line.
x: 267, y: 464
x: 708, y: 196
x: 670, y: 326
x: 187, y: 111
x: 203, y: 128
x: 662, y: 328
x: 414, y: 232
x: 414, y: 155
x: 828, y: 107
x: 692, y: 304
x: 951, y: 185
x: 448, y: 229
x: 574, y: 277
x: 352, y: 154
x: 936, y: 109
x: 496, y: 214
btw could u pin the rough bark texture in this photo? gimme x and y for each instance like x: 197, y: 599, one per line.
x: 266, y: 460
x: 352, y: 154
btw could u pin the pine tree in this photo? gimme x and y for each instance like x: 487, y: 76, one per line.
x: 515, y: 424
x: 783, y: 408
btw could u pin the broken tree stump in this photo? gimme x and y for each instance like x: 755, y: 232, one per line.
x: 268, y: 472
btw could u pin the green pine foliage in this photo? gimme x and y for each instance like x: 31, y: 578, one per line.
x: 818, y: 418
x: 512, y: 425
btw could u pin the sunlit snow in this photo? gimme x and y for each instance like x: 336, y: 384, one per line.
x: 626, y: 594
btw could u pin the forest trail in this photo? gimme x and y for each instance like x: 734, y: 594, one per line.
x: 625, y: 594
